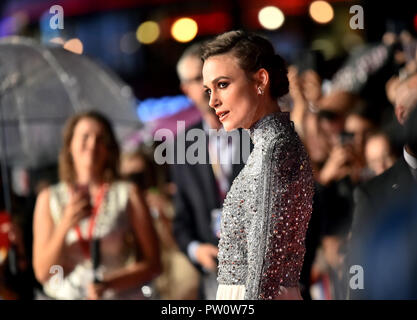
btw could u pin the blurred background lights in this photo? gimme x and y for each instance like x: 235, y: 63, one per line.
x: 321, y: 11
x: 325, y: 46
x: 57, y: 40
x: 74, y: 45
x: 271, y: 18
x: 184, y: 29
x: 148, y: 32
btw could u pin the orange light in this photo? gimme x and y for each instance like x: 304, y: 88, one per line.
x: 148, y: 32
x: 74, y: 45
x: 184, y: 29
x: 321, y: 12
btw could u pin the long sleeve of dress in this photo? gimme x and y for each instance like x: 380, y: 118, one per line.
x: 266, y: 213
x: 276, y: 237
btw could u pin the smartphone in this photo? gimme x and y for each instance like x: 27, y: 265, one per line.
x: 85, y: 191
x: 345, y: 137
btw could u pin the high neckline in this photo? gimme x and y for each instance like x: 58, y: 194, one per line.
x: 255, y: 131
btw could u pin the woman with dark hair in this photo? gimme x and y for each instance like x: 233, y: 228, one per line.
x: 267, y: 210
x: 89, y: 203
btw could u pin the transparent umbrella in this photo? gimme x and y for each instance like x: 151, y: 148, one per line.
x: 41, y: 87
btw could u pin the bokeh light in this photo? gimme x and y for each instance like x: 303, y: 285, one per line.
x: 148, y: 32
x: 57, y: 40
x: 321, y: 12
x: 325, y: 46
x: 271, y: 18
x: 74, y: 45
x: 184, y: 29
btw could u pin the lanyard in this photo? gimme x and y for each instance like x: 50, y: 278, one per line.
x: 85, y: 243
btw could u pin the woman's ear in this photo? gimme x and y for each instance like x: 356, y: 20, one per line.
x: 261, y: 78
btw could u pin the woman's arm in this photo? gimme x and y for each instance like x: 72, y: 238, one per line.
x: 48, y: 238
x: 300, y: 104
x: 149, y: 266
x: 48, y: 242
x: 285, y: 211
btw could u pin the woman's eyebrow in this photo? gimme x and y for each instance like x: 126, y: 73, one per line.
x: 217, y: 79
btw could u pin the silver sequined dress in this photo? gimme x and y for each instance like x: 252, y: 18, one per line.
x: 266, y: 214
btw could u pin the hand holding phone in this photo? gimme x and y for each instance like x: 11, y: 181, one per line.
x: 78, y: 207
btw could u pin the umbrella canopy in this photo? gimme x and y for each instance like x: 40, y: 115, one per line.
x: 41, y: 87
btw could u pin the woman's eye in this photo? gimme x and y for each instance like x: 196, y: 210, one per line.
x: 208, y: 92
x: 223, y: 85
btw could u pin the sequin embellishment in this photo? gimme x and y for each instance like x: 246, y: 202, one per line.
x: 266, y: 212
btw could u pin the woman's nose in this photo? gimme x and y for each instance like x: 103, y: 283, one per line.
x: 214, y: 101
x: 92, y: 142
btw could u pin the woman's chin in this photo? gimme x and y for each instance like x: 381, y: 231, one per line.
x: 228, y: 126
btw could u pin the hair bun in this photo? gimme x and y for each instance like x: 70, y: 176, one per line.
x: 279, y: 79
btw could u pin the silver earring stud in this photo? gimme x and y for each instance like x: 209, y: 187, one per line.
x: 260, y: 91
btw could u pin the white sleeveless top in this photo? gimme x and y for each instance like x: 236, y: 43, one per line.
x: 117, y: 245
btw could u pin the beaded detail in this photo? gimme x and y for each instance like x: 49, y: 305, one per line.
x: 266, y: 212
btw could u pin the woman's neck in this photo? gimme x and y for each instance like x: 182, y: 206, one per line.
x: 86, y: 177
x: 270, y: 106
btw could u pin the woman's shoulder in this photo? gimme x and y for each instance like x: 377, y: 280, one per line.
x: 283, y: 147
x: 57, y: 190
x: 279, y: 141
x: 56, y: 186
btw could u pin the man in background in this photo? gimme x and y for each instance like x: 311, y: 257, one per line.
x: 386, y: 190
x: 201, y: 187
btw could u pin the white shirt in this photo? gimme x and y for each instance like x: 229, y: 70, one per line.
x: 411, y: 161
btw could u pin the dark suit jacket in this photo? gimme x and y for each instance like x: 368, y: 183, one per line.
x: 375, y: 194
x: 372, y: 200
x: 197, y: 195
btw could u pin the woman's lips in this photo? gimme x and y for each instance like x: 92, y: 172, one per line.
x: 223, y: 116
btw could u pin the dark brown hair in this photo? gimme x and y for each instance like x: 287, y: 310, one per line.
x: 66, y: 163
x: 253, y: 52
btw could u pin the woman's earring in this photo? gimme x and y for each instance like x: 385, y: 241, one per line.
x: 260, y: 91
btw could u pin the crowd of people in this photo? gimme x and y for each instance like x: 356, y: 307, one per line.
x: 120, y: 226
